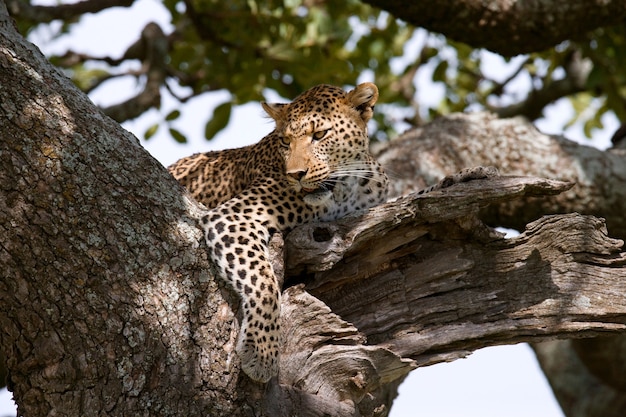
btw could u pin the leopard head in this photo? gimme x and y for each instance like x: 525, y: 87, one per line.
x: 323, y: 133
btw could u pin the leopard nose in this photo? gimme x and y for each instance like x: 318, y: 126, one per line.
x: 298, y: 174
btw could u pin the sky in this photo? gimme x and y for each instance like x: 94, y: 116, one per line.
x: 496, y: 381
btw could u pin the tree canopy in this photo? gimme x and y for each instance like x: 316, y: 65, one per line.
x: 572, y: 52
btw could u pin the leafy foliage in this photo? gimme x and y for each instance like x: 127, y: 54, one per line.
x: 220, y: 119
x: 606, y: 84
x: 246, y: 47
x: 250, y: 46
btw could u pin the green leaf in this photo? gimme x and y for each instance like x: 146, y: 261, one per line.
x: 282, y: 51
x: 429, y: 52
x: 151, y: 131
x: 86, y: 78
x: 173, y: 115
x: 221, y: 116
x: 439, y: 74
x: 178, y: 136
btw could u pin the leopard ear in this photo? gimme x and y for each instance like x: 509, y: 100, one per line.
x: 275, y: 110
x: 363, y: 98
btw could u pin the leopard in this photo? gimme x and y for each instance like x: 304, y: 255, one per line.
x: 315, y: 166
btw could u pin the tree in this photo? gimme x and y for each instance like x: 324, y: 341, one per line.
x: 107, y: 301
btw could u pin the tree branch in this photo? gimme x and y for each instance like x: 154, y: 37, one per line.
x: 577, y: 70
x: 151, y: 49
x: 422, y: 279
x: 43, y: 14
x: 468, y: 294
x: 507, y: 27
x: 108, y: 303
x: 578, y: 391
x: 422, y: 156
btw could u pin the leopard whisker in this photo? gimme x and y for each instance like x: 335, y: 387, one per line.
x: 369, y: 174
x: 353, y: 172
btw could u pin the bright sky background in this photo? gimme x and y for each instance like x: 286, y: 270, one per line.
x: 493, y: 382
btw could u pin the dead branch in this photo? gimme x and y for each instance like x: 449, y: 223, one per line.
x: 422, y: 279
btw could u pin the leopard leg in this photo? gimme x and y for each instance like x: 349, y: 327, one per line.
x: 238, y: 246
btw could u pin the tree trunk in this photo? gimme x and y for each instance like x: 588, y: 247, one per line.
x: 107, y: 298
x: 108, y: 304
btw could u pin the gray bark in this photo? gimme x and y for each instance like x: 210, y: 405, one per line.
x: 106, y: 297
x: 379, y: 272
x: 422, y: 156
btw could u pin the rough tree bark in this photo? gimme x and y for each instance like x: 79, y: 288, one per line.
x: 108, y: 305
x: 105, y: 292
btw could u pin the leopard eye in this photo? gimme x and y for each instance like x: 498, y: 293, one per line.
x: 320, y: 134
x: 283, y: 141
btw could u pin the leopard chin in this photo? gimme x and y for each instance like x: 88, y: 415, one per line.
x: 319, y: 198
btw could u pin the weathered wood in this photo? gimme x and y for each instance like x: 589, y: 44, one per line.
x: 421, y: 156
x: 424, y: 279
x: 319, y: 246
